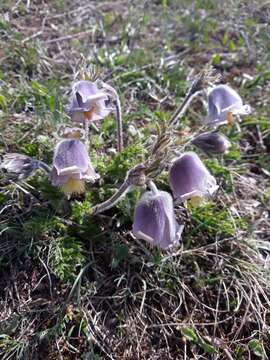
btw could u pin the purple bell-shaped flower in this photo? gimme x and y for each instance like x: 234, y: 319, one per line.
x: 72, y: 167
x: 212, y: 143
x: 88, y: 102
x: 223, y: 103
x: 154, y: 220
x: 190, y: 179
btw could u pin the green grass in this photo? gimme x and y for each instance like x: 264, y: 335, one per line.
x: 75, y: 286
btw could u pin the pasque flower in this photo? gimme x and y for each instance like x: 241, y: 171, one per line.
x: 212, y: 143
x: 88, y: 102
x: 190, y: 179
x: 223, y: 103
x: 21, y: 166
x: 72, y: 167
x: 154, y: 220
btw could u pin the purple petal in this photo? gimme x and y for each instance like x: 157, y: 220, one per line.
x: 221, y: 100
x: 154, y: 219
x: 71, y: 161
x: 85, y: 89
x: 57, y: 180
x: 71, y: 153
x: 86, y: 97
x: 189, y: 177
x: 212, y: 143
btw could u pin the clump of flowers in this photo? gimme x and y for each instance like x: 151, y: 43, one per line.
x: 154, y: 218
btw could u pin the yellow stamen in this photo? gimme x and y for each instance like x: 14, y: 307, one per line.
x: 230, y: 120
x: 73, y: 187
x: 196, y: 201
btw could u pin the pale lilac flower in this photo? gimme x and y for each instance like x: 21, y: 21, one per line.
x: 154, y: 220
x: 72, y: 167
x: 88, y: 102
x: 21, y: 166
x: 223, y: 102
x: 190, y: 179
x: 212, y: 143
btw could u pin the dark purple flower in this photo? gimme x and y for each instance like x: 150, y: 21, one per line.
x: 212, y: 143
x: 154, y: 220
x: 190, y: 179
x: 223, y: 102
x: 88, y: 102
x: 72, y: 167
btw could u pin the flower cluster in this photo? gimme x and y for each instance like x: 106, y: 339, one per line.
x: 189, y: 179
x: 154, y: 217
x: 72, y: 167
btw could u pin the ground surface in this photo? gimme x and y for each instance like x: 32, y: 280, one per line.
x: 77, y: 287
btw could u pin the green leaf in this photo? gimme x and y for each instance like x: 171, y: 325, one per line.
x: 257, y: 347
x: 207, y: 347
x: 3, y: 102
x: 190, y: 334
x: 225, y: 38
x: 216, y: 59
x: 50, y: 102
x: 232, y: 46
x: 39, y: 89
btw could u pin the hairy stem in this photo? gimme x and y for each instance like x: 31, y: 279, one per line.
x: 134, y: 177
x: 179, y: 112
x: 117, y: 103
x: 119, y: 125
x: 42, y: 165
x: 153, y: 187
x: 86, y: 128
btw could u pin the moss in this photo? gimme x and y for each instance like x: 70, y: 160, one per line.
x: 215, y: 221
x: 67, y: 258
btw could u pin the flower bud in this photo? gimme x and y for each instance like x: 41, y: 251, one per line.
x: 19, y: 165
x: 190, y: 179
x: 212, y: 143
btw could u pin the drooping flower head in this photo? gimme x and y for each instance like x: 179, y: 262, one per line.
x: 212, y: 143
x: 190, y: 179
x: 154, y: 220
x: 21, y: 166
x: 88, y: 102
x: 223, y: 103
x: 72, y: 167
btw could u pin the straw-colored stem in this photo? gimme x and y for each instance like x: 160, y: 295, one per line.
x: 179, y: 112
x: 87, y: 132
